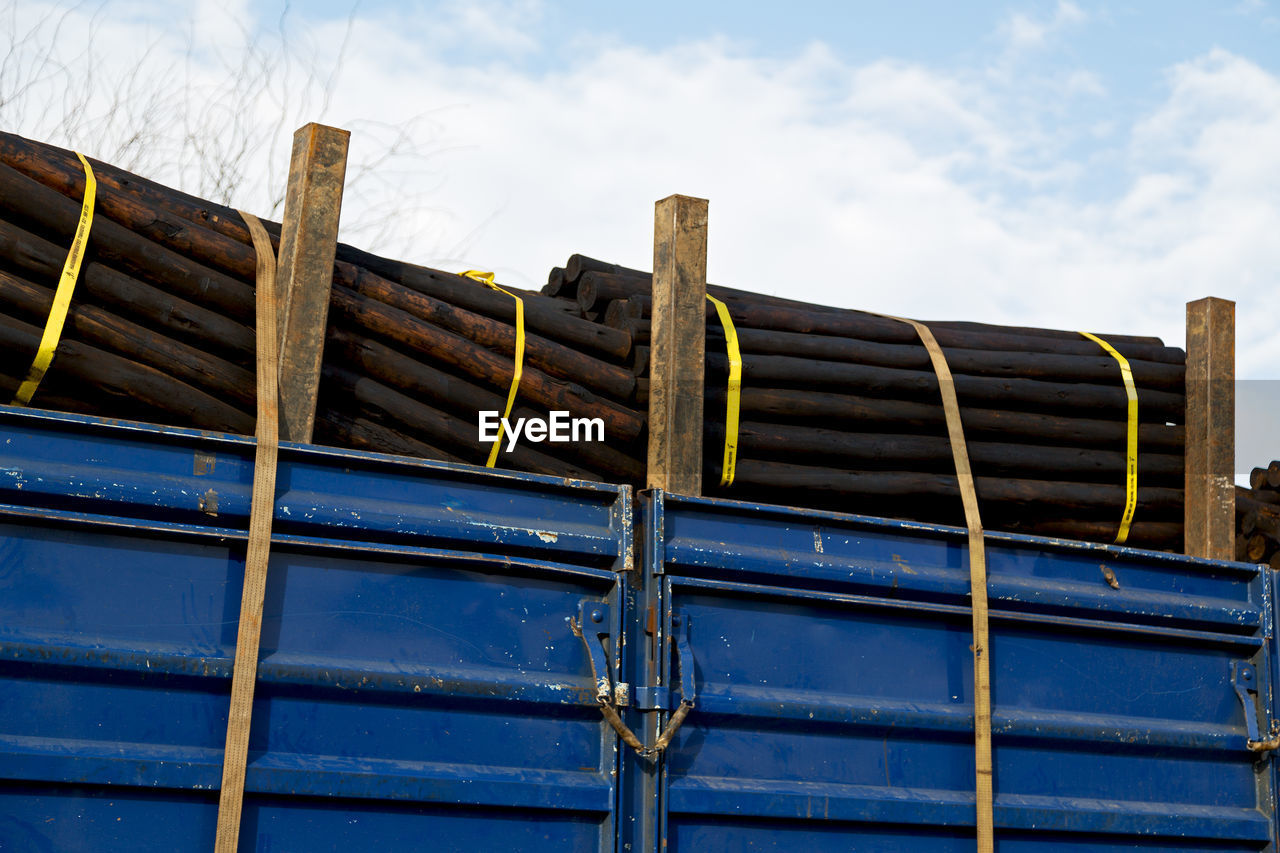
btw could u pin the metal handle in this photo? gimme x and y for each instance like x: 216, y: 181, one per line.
x: 1244, y: 678
x: 593, y: 618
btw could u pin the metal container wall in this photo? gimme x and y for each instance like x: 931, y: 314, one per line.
x: 418, y: 687
x: 833, y: 678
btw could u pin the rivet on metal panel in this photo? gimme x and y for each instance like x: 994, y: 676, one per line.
x: 1110, y: 576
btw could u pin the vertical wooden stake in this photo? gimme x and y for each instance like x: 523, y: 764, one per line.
x: 308, y: 243
x: 1209, y: 496
x: 678, y: 344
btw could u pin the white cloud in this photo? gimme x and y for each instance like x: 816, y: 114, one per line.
x: 887, y: 186
x: 1024, y: 32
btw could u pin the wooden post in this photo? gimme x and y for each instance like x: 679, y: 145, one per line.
x: 677, y: 348
x: 1209, y: 497
x: 308, y: 242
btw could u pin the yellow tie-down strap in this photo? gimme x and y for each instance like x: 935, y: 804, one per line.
x: 1131, y: 439
x: 487, y: 278
x: 62, y: 296
x: 733, y: 399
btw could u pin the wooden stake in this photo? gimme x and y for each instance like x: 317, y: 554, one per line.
x: 677, y: 349
x: 1210, y: 433
x: 308, y: 242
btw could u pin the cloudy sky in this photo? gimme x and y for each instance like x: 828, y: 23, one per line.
x: 1068, y: 164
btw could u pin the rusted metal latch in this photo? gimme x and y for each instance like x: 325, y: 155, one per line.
x: 592, y: 623
x: 1244, y: 678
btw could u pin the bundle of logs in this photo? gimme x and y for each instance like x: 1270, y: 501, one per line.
x: 840, y: 409
x: 1258, y: 517
x: 161, y: 329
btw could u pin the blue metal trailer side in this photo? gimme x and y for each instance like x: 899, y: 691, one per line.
x: 421, y: 686
x: 418, y: 687
x: 834, y: 688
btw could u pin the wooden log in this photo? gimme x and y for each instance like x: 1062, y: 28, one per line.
x: 676, y: 375
x: 1210, y: 419
x: 637, y: 327
x: 122, y: 378
x: 308, y: 241
x: 868, y: 327
x: 55, y: 216
x: 594, y: 289
x: 454, y: 433
x: 1087, y: 499
x: 1020, y: 394
x: 619, y: 310
x: 1273, y: 475
x: 546, y: 320
x: 339, y: 430
x: 899, y: 452
x: 183, y: 223
x: 640, y: 362
x: 166, y: 216
x: 102, y: 329
x: 1262, y: 518
x: 62, y: 393
x: 1165, y: 535
x: 872, y: 414
x: 1257, y: 548
x: 479, y: 363
x: 214, y: 332
x: 626, y: 282
x: 552, y: 358
x: 1033, y: 331
x: 454, y: 395
x: 579, y: 264
x: 1102, y: 369
x: 1099, y: 368
x: 1267, y: 496
x: 240, y: 258
x: 556, y: 285
x: 1258, y: 478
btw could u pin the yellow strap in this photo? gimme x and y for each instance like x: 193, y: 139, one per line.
x: 487, y: 278
x: 983, y: 787
x: 62, y: 297
x: 245, y: 671
x: 1131, y: 440
x: 734, y: 397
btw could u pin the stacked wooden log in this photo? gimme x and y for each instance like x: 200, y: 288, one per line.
x: 840, y: 409
x: 1258, y: 517
x: 162, y: 329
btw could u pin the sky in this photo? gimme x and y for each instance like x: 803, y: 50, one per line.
x: 1075, y: 165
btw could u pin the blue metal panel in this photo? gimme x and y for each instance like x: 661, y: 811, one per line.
x: 834, y: 688
x: 418, y: 683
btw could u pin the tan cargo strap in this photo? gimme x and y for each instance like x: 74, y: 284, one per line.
x: 245, y: 672
x: 977, y: 591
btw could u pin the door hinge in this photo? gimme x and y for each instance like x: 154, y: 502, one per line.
x: 1244, y: 678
